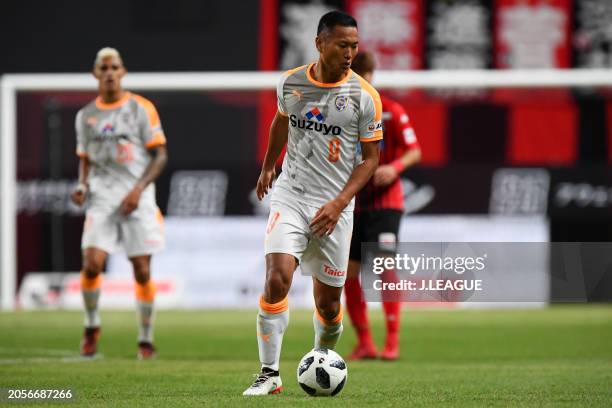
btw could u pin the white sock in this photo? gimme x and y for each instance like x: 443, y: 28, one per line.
x: 270, y: 330
x: 326, y: 334
x: 90, y: 299
x: 145, y: 320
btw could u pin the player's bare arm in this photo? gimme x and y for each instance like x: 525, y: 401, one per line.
x: 386, y: 174
x: 153, y: 170
x: 326, y: 218
x: 79, y: 194
x: 279, y: 131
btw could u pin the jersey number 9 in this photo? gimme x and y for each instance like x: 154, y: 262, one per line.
x: 334, y: 150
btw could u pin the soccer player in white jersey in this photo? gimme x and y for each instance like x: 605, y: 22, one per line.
x: 325, y: 113
x: 121, y: 146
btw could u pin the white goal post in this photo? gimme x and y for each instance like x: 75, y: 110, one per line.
x: 12, y: 84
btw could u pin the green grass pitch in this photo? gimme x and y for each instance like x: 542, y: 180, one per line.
x: 558, y: 356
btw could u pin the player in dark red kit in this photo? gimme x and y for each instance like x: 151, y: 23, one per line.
x: 378, y: 211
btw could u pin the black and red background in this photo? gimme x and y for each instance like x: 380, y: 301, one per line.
x: 464, y: 138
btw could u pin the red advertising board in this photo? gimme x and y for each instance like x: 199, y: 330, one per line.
x: 393, y: 30
x: 532, y: 33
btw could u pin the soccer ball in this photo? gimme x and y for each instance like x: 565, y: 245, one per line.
x: 322, y: 372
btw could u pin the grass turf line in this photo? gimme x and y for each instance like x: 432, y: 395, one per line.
x: 559, y: 356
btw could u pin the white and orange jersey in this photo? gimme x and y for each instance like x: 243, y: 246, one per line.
x: 326, y: 123
x: 115, y: 138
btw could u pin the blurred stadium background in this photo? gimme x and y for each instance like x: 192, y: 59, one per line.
x: 500, y: 163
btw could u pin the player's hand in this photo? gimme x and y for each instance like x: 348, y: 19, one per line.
x: 384, y: 175
x: 326, y: 218
x: 79, y: 195
x: 266, y: 177
x: 130, y: 202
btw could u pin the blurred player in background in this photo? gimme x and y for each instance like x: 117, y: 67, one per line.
x: 122, y: 151
x: 324, y: 111
x: 378, y: 212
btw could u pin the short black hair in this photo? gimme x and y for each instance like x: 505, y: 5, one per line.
x: 334, y: 18
x: 364, y: 63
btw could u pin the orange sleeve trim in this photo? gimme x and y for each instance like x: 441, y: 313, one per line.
x: 158, y: 140
x: 375, y: 97
x: 88, y: 283
x: 371, y: 139
x: 333, y: 322
x: 146, y: 292
x: 159, y: 217
x: 149, y: 108
x: 81, y: 154
x: 274, y: 308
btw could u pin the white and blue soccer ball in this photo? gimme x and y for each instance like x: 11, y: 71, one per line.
x: 322, y: 372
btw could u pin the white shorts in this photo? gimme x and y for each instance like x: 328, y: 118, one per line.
x: 140, y: 233
x: 288, y: 232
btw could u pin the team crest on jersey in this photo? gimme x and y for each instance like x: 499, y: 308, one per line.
x: 341, y: 102
x: 92, y: 121
x: 315, y: 113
